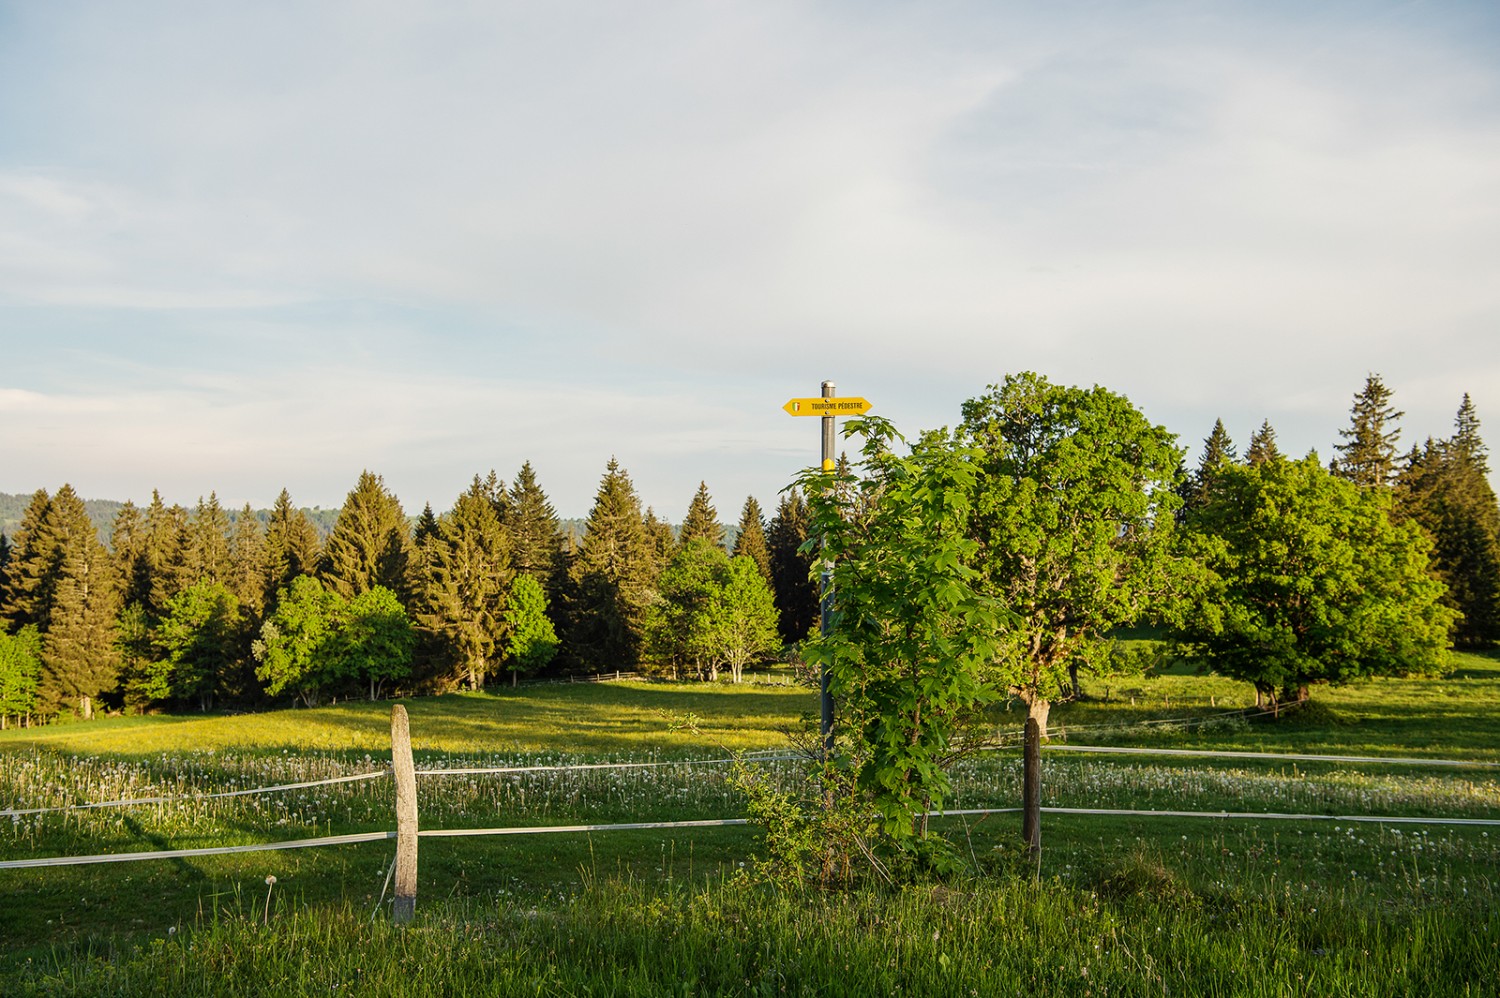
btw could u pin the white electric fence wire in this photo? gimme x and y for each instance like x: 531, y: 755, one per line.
x: 18, y: 812
x: 582, y: 767
x: 333, y: 840
x: 1285, y: 756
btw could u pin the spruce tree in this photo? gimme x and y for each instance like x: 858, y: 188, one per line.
x: 168, y: 540
x: 291, y: 546
x: 1218, y: 454
x: 660, y: 540
x: 702, y: 520
x: 31, y: 576
x: 426, y: 525
x: 533, y: 528
x: 80, y: 654
x: 791, y: 571
x: 1367, y: 457
x: 247, y: 564
x: 370, y: 543
x: 1466, y: 444
x: 1445, y: 489
x: 751, y: 541
x: 5, y: 550
x: 127, y: 541
x: 613, y: 579
x: 207, y: 554
x: 1262, y: 446
x: 466, y: 572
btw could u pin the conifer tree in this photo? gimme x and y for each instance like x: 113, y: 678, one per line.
x: 533, y: 527
x: 247, y: 563
x: 1368, y: 453
x: 31, y: 575
x: 702, y: 520
x: 1262, y: 446
x: 751, y: 541
x: 291, y: 546
x: 207, y: 555
x: 1466, y: 444
x: 370, y: 543
x: 167, y: 560
x: 1218, y: 454
x: 80, y: 657
x: 791, y: 571
x: 613, y: 578
x: 660, y: 540
x: 467, y: 570
x: 5, y: 550
x: 1445, y: 489
x: 426, y: 525
x: 128, y: 545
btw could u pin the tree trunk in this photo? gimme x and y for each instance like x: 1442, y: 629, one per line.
x: 86, y: 708
x: 1073, y: 681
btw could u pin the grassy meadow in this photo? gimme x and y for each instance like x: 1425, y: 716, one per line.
x: 1124, y: 905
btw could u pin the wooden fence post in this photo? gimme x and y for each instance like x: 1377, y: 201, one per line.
x: 406, y: 817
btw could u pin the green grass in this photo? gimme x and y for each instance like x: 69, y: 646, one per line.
x: 590, y: 719
x: 1178, y: 905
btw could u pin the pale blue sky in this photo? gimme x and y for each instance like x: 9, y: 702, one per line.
x: 253, y: 246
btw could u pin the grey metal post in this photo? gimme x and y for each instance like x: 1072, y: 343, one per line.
x: 825, y: 602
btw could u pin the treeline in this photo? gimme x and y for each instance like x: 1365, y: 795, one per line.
x: 1313, y: 573
x: 201, y: 608
x: 1441, y: 486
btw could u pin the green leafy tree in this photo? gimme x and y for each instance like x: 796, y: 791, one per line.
x: 792, y: 583
x: 741, y: 617
x: 201, y: 642
x: 677, y: 629
x: 20, y: 671
x: 532, y: 641
x: 751, y: 539
x: 1073, y: 510
x: 702, y: 520
x: 533, y: 527
x: 912, y: 637
x: 375, y: 639
x: 370, y: 542
x: 297, y: 650
x: 1367, y: 457
x: 1311, y: 583
x: 1262, y: 445
x: 467, y: 570
x: 613, y: 579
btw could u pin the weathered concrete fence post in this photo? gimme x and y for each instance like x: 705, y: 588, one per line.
x: 406, y: 817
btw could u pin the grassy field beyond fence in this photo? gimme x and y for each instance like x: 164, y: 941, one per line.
x: 1139, y: 905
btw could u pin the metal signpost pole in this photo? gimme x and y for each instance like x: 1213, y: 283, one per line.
x: 828, y: 406
x: 825, y: 601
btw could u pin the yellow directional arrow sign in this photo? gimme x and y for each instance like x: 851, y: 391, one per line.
x: 828, y: 407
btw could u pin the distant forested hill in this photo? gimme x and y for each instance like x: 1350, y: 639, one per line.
x: 102, y: 514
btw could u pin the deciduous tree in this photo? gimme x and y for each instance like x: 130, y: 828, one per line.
x: 1311, y: 583
x: 1073, y: 509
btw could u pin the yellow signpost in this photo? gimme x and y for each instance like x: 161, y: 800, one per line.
x: 828, y: 407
